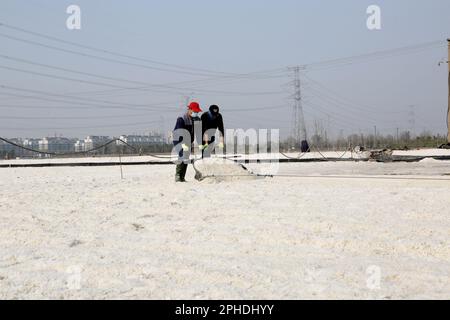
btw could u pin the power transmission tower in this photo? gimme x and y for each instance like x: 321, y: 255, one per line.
x: 412, y: 120
x: 298, y: 119
x: 187, y: 99
x: 162, y: 125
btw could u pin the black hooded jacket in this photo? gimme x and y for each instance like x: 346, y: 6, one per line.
x: 209, y: 121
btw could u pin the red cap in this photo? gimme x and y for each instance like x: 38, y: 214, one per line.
x: 194, y: 106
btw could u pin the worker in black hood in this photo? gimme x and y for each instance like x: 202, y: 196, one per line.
x: 211, y: 121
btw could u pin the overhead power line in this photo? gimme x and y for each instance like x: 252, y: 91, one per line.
x: 80, y: 100
x: 117, y: 54
x: 74, y: 117
x: 344, y: 109
x: 72, y: 105
x: 326, y: 64
x: 96, y: 57
x: 97, y: 50
x: 339, y: 98
x: 84, y: 127
x: 310, y: 66
x: 218, y: 75
x: 144, y: 86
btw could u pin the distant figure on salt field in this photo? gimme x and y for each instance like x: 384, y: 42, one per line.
x: 185, y: 122
x: 211, y: 121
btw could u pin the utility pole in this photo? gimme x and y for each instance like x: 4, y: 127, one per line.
x: 298, y: 119
x: 448, y: 111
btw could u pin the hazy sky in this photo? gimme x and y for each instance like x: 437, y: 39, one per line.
x: 77, y: 92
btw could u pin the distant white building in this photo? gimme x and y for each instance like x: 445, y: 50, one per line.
x: 79, y: 146
x: 31, y: 143
x: 56, y: 144
x: 92, y: 142
x: 169, y: 137
x: 147, y: 140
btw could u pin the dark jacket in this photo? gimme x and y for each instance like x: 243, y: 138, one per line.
x: 211, y: 122
x: 184, y: 122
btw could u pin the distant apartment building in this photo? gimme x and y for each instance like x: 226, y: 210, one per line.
x: 61, y: 145
x: 9, y: 150
x: 92, y: 142
x: 79, y: 146
x: 31, y: 143
x: 158, y: 138
x: 144, y: 140
x: 57, y: 144
x: 6, y: 147
x: 169, y: 139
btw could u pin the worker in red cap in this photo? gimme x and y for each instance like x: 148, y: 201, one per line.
x: 185, y: 122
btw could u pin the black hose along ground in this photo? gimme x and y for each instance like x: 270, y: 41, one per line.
x: 233, y: 157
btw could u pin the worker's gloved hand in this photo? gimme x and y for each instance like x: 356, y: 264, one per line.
x: 203, y: 146
x: 185, y: 147
x: 220, y: 145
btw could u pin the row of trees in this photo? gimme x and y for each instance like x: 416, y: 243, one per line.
x: 404, y: 140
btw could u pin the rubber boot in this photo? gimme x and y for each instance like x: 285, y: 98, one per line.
x: 180, y: 172
x: 183, y: 172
